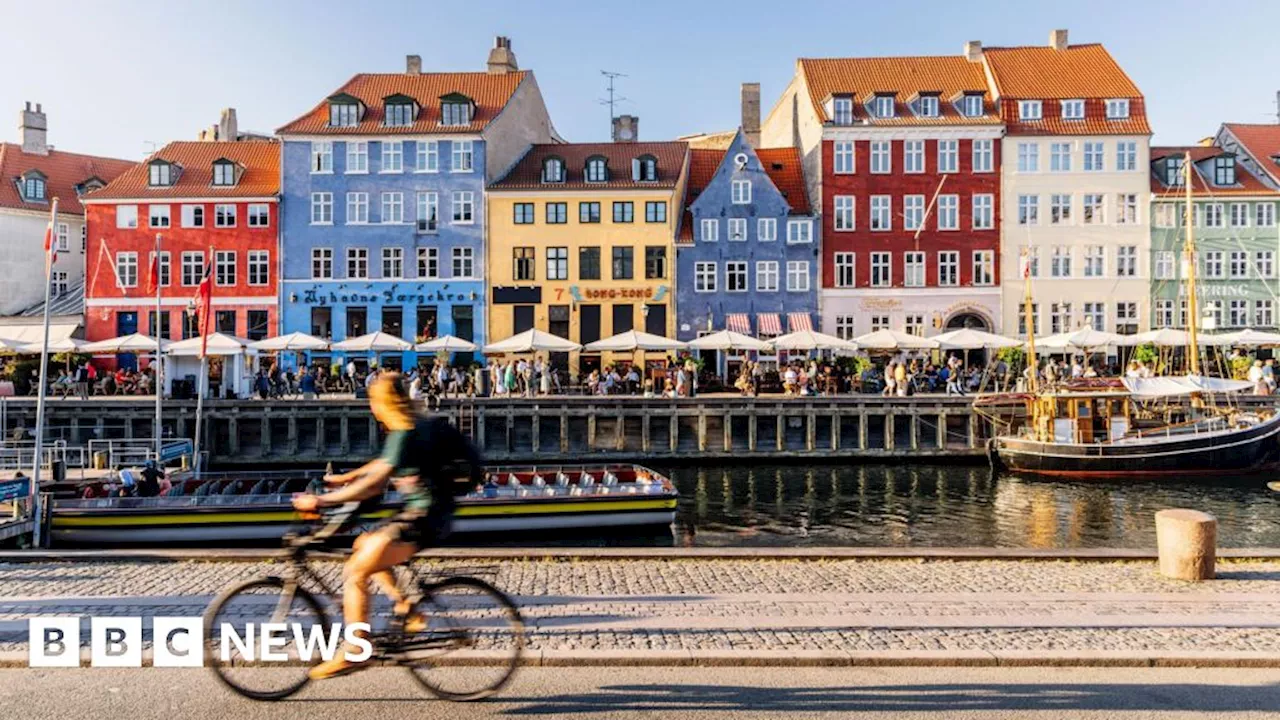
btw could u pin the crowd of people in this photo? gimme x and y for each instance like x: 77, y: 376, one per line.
x: 149, y: 480
x: 84, y: 380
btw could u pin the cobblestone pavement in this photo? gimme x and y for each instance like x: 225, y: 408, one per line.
x: 855, y: 605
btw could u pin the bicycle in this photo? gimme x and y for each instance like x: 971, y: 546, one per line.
x: 471, y: 626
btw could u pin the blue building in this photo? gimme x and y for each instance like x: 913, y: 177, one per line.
x: 748, y: 249
x: 382, y: 212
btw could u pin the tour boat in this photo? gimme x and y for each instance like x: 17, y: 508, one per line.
x: 244, y: 508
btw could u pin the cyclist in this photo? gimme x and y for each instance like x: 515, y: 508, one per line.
x: 425, y: 457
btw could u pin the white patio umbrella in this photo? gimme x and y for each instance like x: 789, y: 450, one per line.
x: 219, y: 344
x: 1169, y: 337
x: 55, y: 346
x: 1248, y: 338
x: 893, y: 340
x: 294, y: 341
x: 375, y: 342
x: 532, y: 340
x: 810, y: 340
x: 1082, y: 339
x: 446, y: 343
x: 971, y: 339
x: 135, y: 343
x: 633, y: 340
x: 728, y: 340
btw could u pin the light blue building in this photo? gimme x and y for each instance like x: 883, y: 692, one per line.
x: 383, y: 205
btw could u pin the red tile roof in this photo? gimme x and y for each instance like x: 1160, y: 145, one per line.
x: 489, y: 91
x: 63, y: 171
x: 1260, y: 141
x: 260, y: 176
x: 783, y: 166
x: 947, y: 75
x: 1246, y: 182
x: 527, y: 174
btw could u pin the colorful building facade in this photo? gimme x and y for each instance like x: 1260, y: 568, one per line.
x: 384, y: 200
x: 581, y: 242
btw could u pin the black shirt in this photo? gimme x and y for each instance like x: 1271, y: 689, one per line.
x: 446, y: 462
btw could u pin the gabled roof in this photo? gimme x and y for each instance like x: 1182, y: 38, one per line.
x: 489, y: 91
x: 1260, y: 141
x: 906, y: 77
x: 260, y: 177
x: 63, y: 171
x: 1246, y: 182
x: 527, y: 174
x: 782, y: 165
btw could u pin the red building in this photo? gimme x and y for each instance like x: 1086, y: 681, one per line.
x: 212, y: 202
x: 905, y: 156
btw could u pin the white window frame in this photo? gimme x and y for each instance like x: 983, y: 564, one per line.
x: 983, y: 160
x: 1093, y: 209
x: 259, y: 215
x: 948, y: 212
x: 1072, y: 109
x: 259, y: 267
x: 357, y: 263
x: 844, y: 218
x: 984, y: 267
x: 767, y: 230
x: 225, y: 268
x: 736, y: 268
x: 844, y: 157
x: 357, y: 208
x: 740, y: 192
x: 392, y: 208
x: 913, y: 268
x: 984, y: 211
x: 705, y: 277
x: 1127, y: 261
x: 429, y: 263
x: 463, y: 205
x: 1095, y: 261
x: 766, y: 276
x: 126, y: 269
x: 426, y: 204
x: 881, y: 269
x: 845, y: 269
x: 1118, y: 109
x: 798, y: 276
x: 158, y: 216
x: 1095, y: 154
x: 427, y: 157
x: 1166, y: 265
x: 1127, y: 211
x: 126, y: 217
x: 948, y: 268
x: 391, y: 160
x: 393, y: 261
x: 912, y: 212
x: 321, y: 208
x: 1264, y: 264
x: 321, y: 157
x: 464, y: 258
x: 948, y: 156
x: 912, y: 156
x: 1060, y: 157
x: 1030, y: 110
x: 1028, y: 209
x: 462, y: 156
x: 1126, y: 156
x: 881, y: 216
x: 710, y: 230
x: 799, y: 231
x: 189, y: 216
x: 737, y: 226
x: 1028, y: 157
x: 224, y: 216
x: 881, y: 157
x: 357, y: 157
x: 192, y: 268
x: 321, y: 263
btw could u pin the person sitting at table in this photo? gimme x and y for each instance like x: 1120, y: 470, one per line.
x: 308, y: 385
x: 633, y: 380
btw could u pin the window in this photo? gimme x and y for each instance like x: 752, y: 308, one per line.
x: 126, y: 216
x: 392, y: 208
x: 33, y: 188
x: 704, y: 277
x: 883, y: 106
x: 710, y: 230
x: 1028, y: 157
x: 158, y: 216
x: 1166, y: 215
x: 1238, y: 313
x: 464, y: 207
x: 1095, y: 315
x: 1238, y: 264
x: 843, y: 107
x: 589, y: 263
x: 392, y: 156
x: 983, y: 156
x: 735, y: 276
x: 913, y: 156
x: 737, y: 229
x: 192, y: 268
x: 1060, y: 263
x: 1059, y: 209
x: 767, y: 229
x: 655, y: 262
x: 655, y: 211
x: 1224, y: 171
x: 879, y: 322
x: 224, y: 216
x: 927, y: 106
x: 58, y: 283
x: 392, y: 263
x: 1173, y: 175
x: 623, y: 212
x: 321, y: 263
x: 972, y: 106
x: 192, y: 216
x: 357, y: 263
x: 948, y: 156
x: 464, y: 262
x: 428, y: 212
x: 1060, y: 157
x: 1028, y: 209
x: 741, y: 192
x: 557, y: 263
x: 881, y: 157
x: 224, y: 272
x: 799, y: 231
x: 553, y: 170
x: 623, y: 263
x: 881, y: 212
x: 1029, y: 110
x: 597, y: 170
x: 797, y: 276
x: 1093, y: 154
x: 1164, y: 314
x: 913, y: 269
x: 844, y: 269
x: 321, y: 157
x: 398, y: 114
x: 881, y: 269
x: 1213, y: 215
x: 1072, y: 109
x: 1264, y: 263
x: 463, y: 156
x: 1092, y: 212
x: 1126, y: 156
x: 984, y: 267
x: 522, y: 262
x: 1059, y: 317
x: 358, y: 156
x: 1093, y: 261
x: 428, y: 156
x: 224, y: 173
x: 588, y: 212
x: 428, y: 263
x: 1164, y: 265
x: 163, y: 266
x: 1030, y: 256
x: 523, y: 213
x: 259, y: 267
x: 1127, y: 261
x: 844, y: 158
x: 1213, y: 266
x: 1264, y: 314
x: 321, y: 208
x: 161, y: 173
x: 843, y: 213
x: 1126, y: 209
x: 949, y: 268
x: 1127, y: 318
x: 127, y: 269
x: 1265, y: 215
x: 343, y: 114
x: 259, y: 215
x: 357, y: 208
x: 1239, y: 215
x: 1213, y: 314
x: 912, y: 212
x: 1118, y: 109
x: 948, y: 212
x: 557, y: 213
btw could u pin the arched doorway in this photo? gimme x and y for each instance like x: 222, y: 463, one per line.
x: 966, y: 320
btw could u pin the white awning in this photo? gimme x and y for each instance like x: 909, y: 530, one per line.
x: 633, y: 340
x: 34, y: 333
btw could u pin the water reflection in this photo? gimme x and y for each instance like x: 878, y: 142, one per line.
x: 933, y: 505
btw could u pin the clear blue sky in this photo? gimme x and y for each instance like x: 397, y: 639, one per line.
x: 115, y: 75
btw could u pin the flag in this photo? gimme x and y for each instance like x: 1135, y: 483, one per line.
x: 50, y: 248
x: 203, y: 302
x: 1026, y: 263
x: 153, y: 282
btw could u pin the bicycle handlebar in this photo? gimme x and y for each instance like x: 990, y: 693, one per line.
x: 332, y: 520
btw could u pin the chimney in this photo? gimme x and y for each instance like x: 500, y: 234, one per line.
x: 973, y: 51
x: 34, y: 127
x: 412, y: 64
x: 626, y: 128
x: 501, y: 58
x: 228, y: 127
x: 751, y: 113
x: 1058, y: 39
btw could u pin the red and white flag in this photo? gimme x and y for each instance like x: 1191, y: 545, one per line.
x: 203, y: 301
x: 153, y: 282
x: 1026, y: 263
x: 50, y: 246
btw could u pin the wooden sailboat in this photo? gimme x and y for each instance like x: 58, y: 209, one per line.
x: 1136, y: 431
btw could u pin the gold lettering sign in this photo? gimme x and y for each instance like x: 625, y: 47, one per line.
x: 881, y: 304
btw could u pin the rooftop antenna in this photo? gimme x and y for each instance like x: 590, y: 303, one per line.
x: 613, y: 99
x: 1278, y: 106
x: 152, y: 145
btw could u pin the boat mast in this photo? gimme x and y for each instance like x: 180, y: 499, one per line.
x: 1192, y: 310
x: 1030, y: 320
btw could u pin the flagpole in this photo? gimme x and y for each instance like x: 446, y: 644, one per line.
x: 38, y: 534
x: 200, y: 387
x: 157, y: 363
x: 203, y: 309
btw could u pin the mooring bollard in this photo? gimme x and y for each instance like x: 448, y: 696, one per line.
x: 1187, y: 541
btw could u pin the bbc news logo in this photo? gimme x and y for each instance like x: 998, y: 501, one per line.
x: 180, y: 642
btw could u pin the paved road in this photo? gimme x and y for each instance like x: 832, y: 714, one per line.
x: 673, y: 693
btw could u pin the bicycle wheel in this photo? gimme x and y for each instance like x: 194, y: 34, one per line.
x: 235, y: 618
x: 472, y: 644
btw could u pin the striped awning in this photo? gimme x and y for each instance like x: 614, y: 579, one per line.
x: 798, y: 322
x: 770, y: 324
x: 738, y: 322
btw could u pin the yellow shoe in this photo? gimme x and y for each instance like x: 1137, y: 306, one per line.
x: 336, y: 667
x: 414, y: 622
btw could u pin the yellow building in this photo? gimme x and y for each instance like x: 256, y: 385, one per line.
x: 581, y: 243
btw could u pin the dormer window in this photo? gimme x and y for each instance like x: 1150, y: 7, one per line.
x: 882, y: 106
x: 1173, y: 171
x: 401, y: 111
x: 224, y: 172
x: 33, y: 186
x: 927, y: 106
x: 455, y: 109
x: 89, y: 186
x: 644, y: 169
x: 553, y: 170
x: 1029, y: 110
x: 972, y: 105
x: 1118, y: 109
x: 1073, y: 109
x: 597, y: 170
x: 344, y: 111
x: 1224, y: 171
x: 842, y: 110
x: 161, y: 174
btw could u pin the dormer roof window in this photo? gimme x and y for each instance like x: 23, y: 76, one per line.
x: 553, y: 170
x: 882, y: 105
x: 456, y: 109
x: 88, y: 186
x: 971, y: 104
x: 597, y: 169
x: 344, y: 110
x: 1073, y: 109
x: 401, y: 111
x: 224, y: 172
x: 644, y: 169
x: 33, y: 185
x: 161, y: 173
x: 1030, y: 110
x: 927, y: 105
x: 1118, y: 109
x: 842, y: 109
x: 1173, y: 171
x: 1224, y: 171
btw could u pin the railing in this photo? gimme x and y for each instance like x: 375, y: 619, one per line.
x: 19, y: 455
x: 138, y: 451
